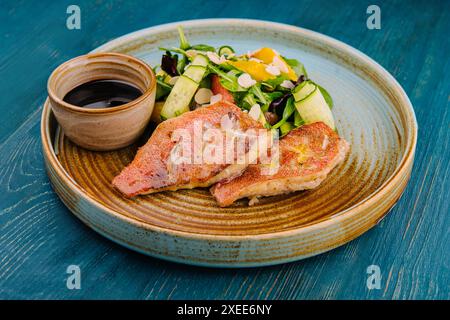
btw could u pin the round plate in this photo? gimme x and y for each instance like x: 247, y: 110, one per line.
x: 372, y: 113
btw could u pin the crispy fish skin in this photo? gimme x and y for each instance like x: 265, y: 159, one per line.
x: 307, y: 155
x: 151, y: 171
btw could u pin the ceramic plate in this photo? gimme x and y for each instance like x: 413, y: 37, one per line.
x: 372, y: 113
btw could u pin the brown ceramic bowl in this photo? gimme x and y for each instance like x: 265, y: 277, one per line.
x: 105, y: 128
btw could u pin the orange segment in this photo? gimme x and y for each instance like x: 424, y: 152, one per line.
x: 291, y: 74
x: 255, y: 69
x: 264, y: 54
x: 267, y: 54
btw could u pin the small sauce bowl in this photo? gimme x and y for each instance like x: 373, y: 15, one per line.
x: 102, y: 129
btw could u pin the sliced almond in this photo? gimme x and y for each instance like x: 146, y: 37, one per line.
x: 287, y: 84
x: 203, y: 95
x: 191, y: 53
x: 280, y: 64
x: 214, y: 57
x: 215, y: 98
x: 273, y: 70
x: 245, y: 80
x: 255, y: 112
x: 256, y: 60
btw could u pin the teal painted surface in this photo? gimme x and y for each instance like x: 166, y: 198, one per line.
x: 39, y: 238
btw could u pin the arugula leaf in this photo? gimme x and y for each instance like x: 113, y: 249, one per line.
x: 203, y: 47
x: 206, y: 81
x: 184, y: 44
x: 249, y: 101
x: 272, y: 84
x: 287, y: 112
x: 173, y: 49
x: 256, y: 90
x: 273, y: 95
x: 228, y: 80
x: 180, y: 66
x: 162, y: 89
x: 239, y: 97
x: 298, y: 121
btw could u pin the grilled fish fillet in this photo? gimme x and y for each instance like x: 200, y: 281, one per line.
x: 153, y: 168
x: 306, y: 156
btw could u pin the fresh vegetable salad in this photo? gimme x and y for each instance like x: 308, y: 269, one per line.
x: 273, y: 89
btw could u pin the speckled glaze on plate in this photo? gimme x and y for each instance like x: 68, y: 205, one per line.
x: 371, y: 110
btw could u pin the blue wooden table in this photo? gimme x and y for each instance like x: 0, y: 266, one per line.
x: 39, y: 238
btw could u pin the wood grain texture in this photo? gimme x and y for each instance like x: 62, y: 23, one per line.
x: 39, y: 238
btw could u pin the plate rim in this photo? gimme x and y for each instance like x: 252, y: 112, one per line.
x: 400, y: 170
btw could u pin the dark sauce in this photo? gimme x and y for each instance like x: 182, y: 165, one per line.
x: 102, y: 94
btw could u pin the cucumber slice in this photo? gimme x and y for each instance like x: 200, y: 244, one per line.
x: 314, y: 108
x: 179, y: 98
x: 303, y: 90
x: 225, y: 50
x: 200, y: 60
x: 184, y: 89
x: 195, y: 73
x: 196, y: 70
x: 326, y: 96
